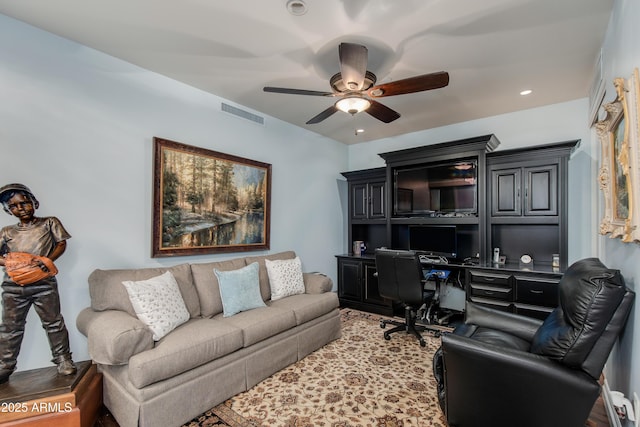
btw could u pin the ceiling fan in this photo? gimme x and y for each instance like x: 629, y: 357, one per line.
x: 354, y: 85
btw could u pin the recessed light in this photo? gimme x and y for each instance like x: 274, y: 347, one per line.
x: 359, y: 131
x: 297, y: 7
x: 526, y: 92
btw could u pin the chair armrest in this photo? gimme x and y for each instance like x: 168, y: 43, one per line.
x: 520, y: 326
x: 113, y: 336
x: 317, y: 283
x: 490, y: 385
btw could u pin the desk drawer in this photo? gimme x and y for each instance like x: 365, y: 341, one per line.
x: 537, y: 291
x: 494, y: 304
x: 502, y: 293
x: 533, y: 311
x: 488, y: 278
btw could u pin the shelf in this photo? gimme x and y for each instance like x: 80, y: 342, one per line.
x: 553, y: 220
x: 453, y: 220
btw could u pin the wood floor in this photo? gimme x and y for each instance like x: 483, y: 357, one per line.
x: 598, y: 417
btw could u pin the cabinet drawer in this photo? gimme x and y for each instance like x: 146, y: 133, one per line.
x: 503, y: 293
x: 496, y: 305
x: 488, y: 278
x: 533, y: 311
x: 537, y: 291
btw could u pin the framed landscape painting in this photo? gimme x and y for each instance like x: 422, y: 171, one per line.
x: 207, y: 202
x: 618, y: 176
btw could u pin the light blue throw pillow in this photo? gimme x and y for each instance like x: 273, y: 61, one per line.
x: 239, y: 289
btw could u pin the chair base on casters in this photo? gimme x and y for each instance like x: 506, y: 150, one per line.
x: 409, y: 326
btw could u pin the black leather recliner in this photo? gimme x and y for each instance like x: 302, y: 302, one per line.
x: 502, y: 369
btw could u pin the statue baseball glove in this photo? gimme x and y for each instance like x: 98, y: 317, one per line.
x: 24, y: 268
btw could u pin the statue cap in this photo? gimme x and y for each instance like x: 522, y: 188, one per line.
x: 17, y: 187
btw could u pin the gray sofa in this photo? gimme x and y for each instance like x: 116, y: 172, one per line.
x: 208, y: 359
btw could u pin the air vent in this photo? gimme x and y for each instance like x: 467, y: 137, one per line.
x: 242, y: 113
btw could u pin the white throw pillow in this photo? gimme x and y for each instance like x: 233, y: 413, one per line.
x: 285, y: 277
x: 158, y: 303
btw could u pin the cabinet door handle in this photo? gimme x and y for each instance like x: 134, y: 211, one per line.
x: 488, y: 279
x: 536, y: 291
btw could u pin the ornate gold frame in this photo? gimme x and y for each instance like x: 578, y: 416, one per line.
x: 618, y: 175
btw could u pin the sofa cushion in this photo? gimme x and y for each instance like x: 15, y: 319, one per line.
x: 158, y: 303
x: 261, y: 323
x: 285, y: 277
x: 265, y: 288
x: 108, y: 293
x: 307, y: 307
x: 239, y: 289
x: 190, y: 345
x: 206, y: 283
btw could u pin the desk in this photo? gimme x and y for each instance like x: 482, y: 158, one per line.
x: 531, y: 292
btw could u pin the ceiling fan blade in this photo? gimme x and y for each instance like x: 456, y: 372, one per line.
x: 353, y: 64
x: 296, y: 91
x: 382, y: 112
x: 411, y: 85
x: 323, y: 115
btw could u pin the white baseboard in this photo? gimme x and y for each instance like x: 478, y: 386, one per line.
x: 614, y: 421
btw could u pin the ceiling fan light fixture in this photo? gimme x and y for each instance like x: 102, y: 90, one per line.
x: 353, y: 104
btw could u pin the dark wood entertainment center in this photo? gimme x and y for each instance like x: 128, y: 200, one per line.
x: 521, y: 208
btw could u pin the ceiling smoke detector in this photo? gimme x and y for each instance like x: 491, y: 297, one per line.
x: 297, y: 7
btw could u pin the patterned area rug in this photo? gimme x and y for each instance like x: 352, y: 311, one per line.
x: 358, y: 380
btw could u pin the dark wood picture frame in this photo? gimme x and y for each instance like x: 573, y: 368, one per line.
x: 208, y: 202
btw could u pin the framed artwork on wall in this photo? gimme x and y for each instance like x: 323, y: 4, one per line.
x: 207, y: 202
x: 596, y: 92
x: 618, y: 175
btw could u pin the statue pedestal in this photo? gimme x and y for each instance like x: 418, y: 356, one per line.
x: 41, y: 397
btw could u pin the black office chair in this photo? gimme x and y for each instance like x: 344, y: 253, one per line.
x: 400, y: 279
x: 502, y: 369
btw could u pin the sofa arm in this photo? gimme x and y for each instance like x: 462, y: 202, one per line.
x: 317, y: 283
x: 113, y: 336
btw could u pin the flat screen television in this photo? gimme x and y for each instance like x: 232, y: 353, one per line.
x: 436, y: 189
x: 437, y: 240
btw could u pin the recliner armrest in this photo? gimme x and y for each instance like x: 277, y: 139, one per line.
x: 485, y: 385
x: 520, y: 326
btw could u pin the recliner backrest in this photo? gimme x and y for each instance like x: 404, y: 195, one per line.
x: 594, y: 305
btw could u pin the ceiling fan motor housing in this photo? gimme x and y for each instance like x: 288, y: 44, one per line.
x: 338, y: 85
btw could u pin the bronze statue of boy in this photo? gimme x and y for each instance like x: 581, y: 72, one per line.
x: 28, y: 250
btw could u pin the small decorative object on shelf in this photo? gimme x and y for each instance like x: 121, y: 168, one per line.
x: 526, y: 262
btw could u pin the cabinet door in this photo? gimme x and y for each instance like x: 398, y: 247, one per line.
x: 505, y: 192
x: 377, y: 200
x: 359, y: 201
x: 349, y: 281
x: 541, y: 189
x: 371, y: 285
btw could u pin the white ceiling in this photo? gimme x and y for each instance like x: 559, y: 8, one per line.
x: 492, y: 50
